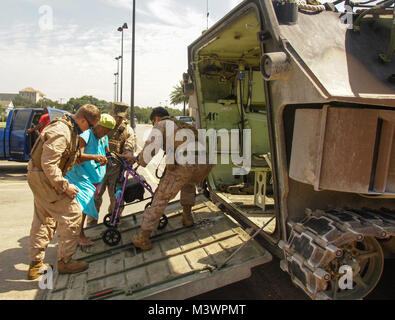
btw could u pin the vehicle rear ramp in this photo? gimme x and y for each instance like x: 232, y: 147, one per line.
x: 183, y: 262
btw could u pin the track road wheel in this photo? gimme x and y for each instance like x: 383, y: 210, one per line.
x: 111, y: 237
x: 366, y: 260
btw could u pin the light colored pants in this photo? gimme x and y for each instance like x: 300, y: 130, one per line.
x: 184, y: 178
x: 52, y: 212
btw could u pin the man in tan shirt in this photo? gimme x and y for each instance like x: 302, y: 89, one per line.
x: 55, y: 204
x: 179, y: 175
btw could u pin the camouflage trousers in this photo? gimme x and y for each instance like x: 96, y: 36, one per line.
x: 182, y: 178
x: 52, y: 212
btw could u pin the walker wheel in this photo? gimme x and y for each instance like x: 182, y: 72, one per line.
x: 111, y: 237
x: 107, y: 220
x: 163, y: 222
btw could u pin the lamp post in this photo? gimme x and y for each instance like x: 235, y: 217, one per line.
x: 115, y: 91
x: 117, y: 58
x: 132, y: 122
x: 116, y: 86
x: 120, y: 29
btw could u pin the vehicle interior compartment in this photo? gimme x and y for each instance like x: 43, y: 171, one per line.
x: 232, y: 92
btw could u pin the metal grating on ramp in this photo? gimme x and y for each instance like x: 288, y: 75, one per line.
x: 182, y: 262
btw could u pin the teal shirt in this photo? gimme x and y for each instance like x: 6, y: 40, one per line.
x: 94, y: 146
x: 85, y: 175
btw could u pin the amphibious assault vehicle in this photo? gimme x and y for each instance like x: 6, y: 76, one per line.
x: 299, y: 101
x: 315, y: 85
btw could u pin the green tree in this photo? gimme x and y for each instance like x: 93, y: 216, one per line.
x: 143, y: 114
x: 21, y: 102
x: 74, y: 103
x: 177, y: 96
x: 45, y: 102
x: 174, y: 112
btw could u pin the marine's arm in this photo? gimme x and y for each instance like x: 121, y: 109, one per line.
x: 56, y: 138
x: 130, y: 142
x: 155, y: 142
x: 56, y: 141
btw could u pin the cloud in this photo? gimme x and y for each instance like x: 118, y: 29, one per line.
x: 163, y: 11
x: 119, y: 3
x: 66, y: 61
x: 234, y: 3
x: 76, y: 57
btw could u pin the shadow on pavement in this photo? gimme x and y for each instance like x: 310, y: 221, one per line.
x: 13, y: 172
x: 14, y: 264
x: 267, y: 282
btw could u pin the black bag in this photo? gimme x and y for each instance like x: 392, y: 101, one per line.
x: 134, y: 190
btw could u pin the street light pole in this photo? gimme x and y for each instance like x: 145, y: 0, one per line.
x: 120, y: 29
x: 115, y: 91
x: 117, y: 58
x: 132, y: 122
x: 116, y: 86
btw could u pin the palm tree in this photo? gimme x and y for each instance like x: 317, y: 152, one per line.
x: 177, y: 96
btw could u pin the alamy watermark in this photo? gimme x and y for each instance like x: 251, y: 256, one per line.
x: 209, y: 147
x: 45, y: 22
x: 348, y: 17
x: 46, y: 281
x: 346, y: 280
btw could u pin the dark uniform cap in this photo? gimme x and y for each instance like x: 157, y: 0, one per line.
x: 120, y: 109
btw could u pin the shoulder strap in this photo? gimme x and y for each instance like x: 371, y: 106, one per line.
x: 74, y: 132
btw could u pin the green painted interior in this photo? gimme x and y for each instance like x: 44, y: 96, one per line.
x: 259, y: 132
x: 217, y: 64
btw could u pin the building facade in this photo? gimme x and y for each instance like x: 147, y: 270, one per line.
x: 31, y: 94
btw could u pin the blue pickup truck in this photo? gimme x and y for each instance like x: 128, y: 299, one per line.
x: 15, y: 142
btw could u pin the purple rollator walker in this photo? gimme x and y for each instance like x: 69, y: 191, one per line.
x: 127, y: 191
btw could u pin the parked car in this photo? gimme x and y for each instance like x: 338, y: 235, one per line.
x: 15, y: 142
x: 186, y: 119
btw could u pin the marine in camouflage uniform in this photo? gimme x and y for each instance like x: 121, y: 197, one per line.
x: 121, y: 140
x: 177, y: 177
x: 55, y: 205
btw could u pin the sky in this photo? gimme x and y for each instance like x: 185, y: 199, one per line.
x: 67, y: 48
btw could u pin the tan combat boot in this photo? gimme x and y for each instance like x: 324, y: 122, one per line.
x: 72, y: 266
x: 34, y: 269
x: 187, y: 219
x: 142, y: 240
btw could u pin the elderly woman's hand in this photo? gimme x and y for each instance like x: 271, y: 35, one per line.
x: 101, y: 159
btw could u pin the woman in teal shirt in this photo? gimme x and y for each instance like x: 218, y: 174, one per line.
x: 90, y: 168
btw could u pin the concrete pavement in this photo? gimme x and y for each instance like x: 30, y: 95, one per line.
x: 16, y: 206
